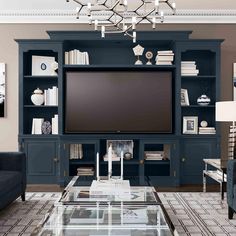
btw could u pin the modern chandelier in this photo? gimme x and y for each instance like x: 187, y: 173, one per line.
x: 123, y: 16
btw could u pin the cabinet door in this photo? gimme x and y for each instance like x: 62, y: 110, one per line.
x: 193, y: 153
x: 41, y: 161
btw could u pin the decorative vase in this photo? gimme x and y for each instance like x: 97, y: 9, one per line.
x: 37, y: 97
x: 203, y: 100
x: 46, y: 127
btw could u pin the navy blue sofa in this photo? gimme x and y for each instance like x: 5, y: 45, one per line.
x: 12, y: 177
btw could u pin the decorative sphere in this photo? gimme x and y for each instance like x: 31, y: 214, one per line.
x: 204, y: 124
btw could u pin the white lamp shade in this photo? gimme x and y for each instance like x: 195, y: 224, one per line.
x: 226, y: 111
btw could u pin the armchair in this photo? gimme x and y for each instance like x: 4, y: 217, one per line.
x: 231, y: 187
x: 12, y: 177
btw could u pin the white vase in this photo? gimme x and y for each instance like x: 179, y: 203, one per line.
x: 37, y: 97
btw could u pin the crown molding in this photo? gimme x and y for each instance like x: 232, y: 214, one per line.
x: 69, y: 16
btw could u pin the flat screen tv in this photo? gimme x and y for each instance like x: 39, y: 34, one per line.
x: 118, y: 102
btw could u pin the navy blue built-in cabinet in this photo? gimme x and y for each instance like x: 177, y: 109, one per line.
x: 50, y: 157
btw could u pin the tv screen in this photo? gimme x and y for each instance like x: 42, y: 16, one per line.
x: 118, y: 101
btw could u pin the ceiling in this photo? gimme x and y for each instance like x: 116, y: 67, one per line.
x: 59, y: 11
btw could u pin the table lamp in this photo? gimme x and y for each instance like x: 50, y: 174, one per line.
x: 226, y: 112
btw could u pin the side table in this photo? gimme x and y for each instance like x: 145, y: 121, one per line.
x: 218, y: 174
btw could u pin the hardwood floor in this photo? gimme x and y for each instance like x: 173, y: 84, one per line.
x: 184, y: 188
x: 43, y: 188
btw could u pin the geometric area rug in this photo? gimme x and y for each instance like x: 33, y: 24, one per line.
x: 192, y: 214
x: 21, y: 218
x: 198, y: 213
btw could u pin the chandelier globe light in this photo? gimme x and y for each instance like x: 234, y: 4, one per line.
x: 123, y: 16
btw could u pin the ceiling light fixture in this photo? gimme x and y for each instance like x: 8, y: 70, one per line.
x: 119, y: 16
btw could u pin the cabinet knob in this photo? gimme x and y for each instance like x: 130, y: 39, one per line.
x: 183, y: 159
x: 55, y: 159
x: 141, y: 162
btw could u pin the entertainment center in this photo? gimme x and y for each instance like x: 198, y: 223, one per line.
x: 113, y: 99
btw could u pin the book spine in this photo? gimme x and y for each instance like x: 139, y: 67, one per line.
x: 66, y: 58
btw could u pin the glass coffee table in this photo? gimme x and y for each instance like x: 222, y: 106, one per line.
x: 77, y: 213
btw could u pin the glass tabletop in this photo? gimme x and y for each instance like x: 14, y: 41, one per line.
x: 75, y: 194
x: 105, y: 219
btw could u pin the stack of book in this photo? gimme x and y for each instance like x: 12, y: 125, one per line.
x: 75, y: 57
x: 85, y: 171
x: 76, y: 151
x: 164, y: 57
x: 189, y: 68
x: 154, y: 155
x: 207, y: 130
x: 51, y: 96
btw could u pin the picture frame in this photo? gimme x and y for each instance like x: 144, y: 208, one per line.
x: 121, y: 145
x: 2, y: 90
x: 43, y: 65
x: 190, y: 125
x: 184, y: 97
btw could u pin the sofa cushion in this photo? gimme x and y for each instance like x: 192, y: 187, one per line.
x: 9, y: 179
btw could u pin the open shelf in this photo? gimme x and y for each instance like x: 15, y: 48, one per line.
x: 41, y: 76
x: 107, y: 66
x: 198, y: 77
x: 41, y: 106
x: 198, y: 106
x: 162, y: 162
x: 118, y: 162
x: 80, y: 162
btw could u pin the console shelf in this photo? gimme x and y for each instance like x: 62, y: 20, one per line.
x: 108, y: 66
x: 55, y: 154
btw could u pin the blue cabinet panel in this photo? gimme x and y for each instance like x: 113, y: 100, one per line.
x: 192, y: 155
x: 42, y: 161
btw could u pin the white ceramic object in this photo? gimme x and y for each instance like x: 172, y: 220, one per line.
x: 203, y: 100
x: 37, y: 97
x: 138, y: 51
x: 54, y: 67
x: 149, y: 56
x: 204, y: 124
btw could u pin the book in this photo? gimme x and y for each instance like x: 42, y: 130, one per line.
x: 55, y: 124
x: 114, y: 158
x: 188, y: 62
x: 37, y: 125
x: 165, y: 52
x: 165, y: 58
x: 87, y: 216
x: 66, y: 58
x: 163, y: 63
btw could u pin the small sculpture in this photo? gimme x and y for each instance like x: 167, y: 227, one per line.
x: 138, y: 51
x: 46, y: 127
x: 54, y: 67
x: 204, y: 124
x: 149, y: 56
x: 203, y: 100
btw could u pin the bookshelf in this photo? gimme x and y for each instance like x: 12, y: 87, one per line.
x: 115, y: 53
